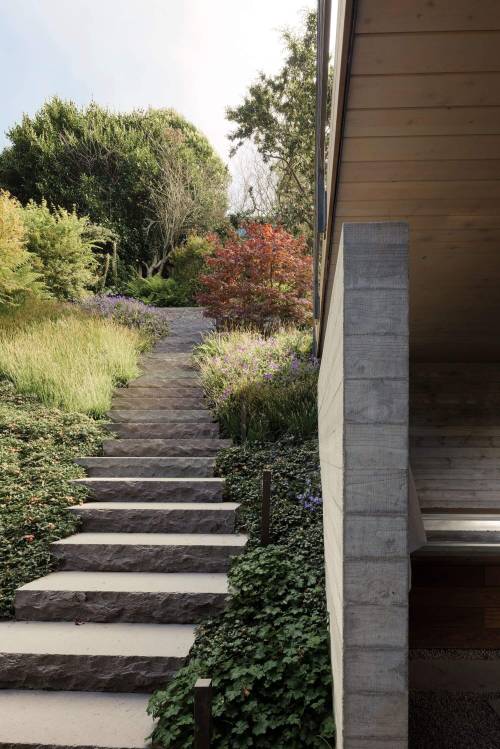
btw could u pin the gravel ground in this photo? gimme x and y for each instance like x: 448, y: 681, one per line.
x: 451, y: 720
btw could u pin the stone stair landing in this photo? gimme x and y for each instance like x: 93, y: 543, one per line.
x: 95, y: 638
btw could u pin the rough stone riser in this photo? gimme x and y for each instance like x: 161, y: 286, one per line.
x: 87, y: 673
x: 144, y: 521
x: 152, y: 491
x: 137, y: 558
x: 167, y: 404
x: 185, y: 430
x: 141, y: 471
x: 163, y: 448
x: 112, y: 606
x: 164, y: 416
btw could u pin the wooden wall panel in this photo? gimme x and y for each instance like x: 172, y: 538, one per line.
x: 422, y: 148
x: 425, y: 171
x: 422, y: 121
x: 402, y: 54
x: 382, y: 16
x: 440, y: 90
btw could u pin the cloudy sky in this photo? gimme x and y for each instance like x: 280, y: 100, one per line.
x: 197, y: 56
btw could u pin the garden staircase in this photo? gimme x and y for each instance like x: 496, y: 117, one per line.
x: 92, y: 640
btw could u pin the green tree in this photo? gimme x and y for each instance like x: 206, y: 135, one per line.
x: 278, y: 117
x: 105, y: 164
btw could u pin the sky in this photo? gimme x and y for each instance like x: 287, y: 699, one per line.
x: 196, y: 56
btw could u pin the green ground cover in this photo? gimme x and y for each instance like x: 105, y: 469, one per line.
x: 37, y: 449
x: 268, y: 652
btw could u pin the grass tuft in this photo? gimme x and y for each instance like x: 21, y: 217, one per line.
x: 72, y: 362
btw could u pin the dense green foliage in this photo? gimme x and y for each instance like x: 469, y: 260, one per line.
x: 186, y: 263
x: 114, y: 168
x: 18, y: 278
x: 37, y: 449
x: 46, y: 253
x: 261, y: 388
x: 278, y: 117
x: 63, y: 246
x: 268, y: 653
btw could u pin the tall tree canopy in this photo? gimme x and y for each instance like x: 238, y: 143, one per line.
x: 115, y: 167
x: 278, y: 117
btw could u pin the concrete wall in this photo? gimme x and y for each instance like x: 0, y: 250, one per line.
x: 363, y: 428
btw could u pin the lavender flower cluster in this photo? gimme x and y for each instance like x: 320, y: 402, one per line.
x: 129, y: 312
x: 309, y: 499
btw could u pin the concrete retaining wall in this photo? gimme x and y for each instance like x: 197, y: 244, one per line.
x: 363, y: 427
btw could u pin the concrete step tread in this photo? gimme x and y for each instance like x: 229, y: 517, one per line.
x: 157, y: 447
x: 115, y: 639
x: 73, y: 720
x: 132, y: 582
x: 154, y: 539
x: 164, y: 480
x: 158, y: 506
x: 159, y: 460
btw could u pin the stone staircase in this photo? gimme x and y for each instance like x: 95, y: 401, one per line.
x: 92, y: 640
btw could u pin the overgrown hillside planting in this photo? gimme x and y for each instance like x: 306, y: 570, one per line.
x: 268, y: 653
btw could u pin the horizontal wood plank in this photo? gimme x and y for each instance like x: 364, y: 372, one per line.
x: 412, y: 171
x: 422, y: 148
x: 422, y: 121
x: 417, y: 190
x: 440, y: 90
x: 371, y: 210
x: 409, y: 54
x: 379, y: 16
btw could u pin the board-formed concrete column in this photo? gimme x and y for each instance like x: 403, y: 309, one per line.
x: 363, y: 429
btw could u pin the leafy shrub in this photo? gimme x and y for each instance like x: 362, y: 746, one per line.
x: 267, y: 654
x: 189, y: 262
x: 17, y: 275
x: 260, y: 277
x: 129, y: 312
x: 73, y: 362
x: 37, y: 449
x: 156, y: 291
x: 261, y: 388
x: 64, y: 245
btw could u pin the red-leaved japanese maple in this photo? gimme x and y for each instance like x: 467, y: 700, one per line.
x: 261, y: 278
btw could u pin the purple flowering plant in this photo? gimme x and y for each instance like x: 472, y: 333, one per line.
x: 310, y: 499
x: 152, y: 321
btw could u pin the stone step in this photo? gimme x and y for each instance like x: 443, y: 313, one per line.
x: 91, y: 657
x: 159, y: 430
x: 173, y: 357
x: 148, y: 552
x: 171, y: 370
x: 73, y: 720
x: 149, y: 467
x: 167, y: 416
x: 160, y: 391
x: 155, y: 403
x: 157, y: 517
x: 154, y: 489
x: 154, y: 380
x: 162, y: 598
x: 163, y: 447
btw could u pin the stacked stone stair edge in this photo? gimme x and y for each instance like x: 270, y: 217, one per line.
x: 116, y: 620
